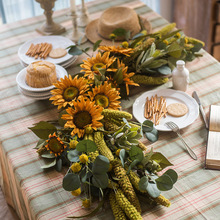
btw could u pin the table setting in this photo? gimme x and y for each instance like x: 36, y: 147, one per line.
x: 109, y: 120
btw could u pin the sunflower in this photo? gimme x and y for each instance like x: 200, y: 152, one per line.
x: 117, y: 50
x: 126, y: 76
x: 91, y: 66
x: 55, y: 145
x: 105, y: 96
x: 83, y: 114
x: 67, y: 90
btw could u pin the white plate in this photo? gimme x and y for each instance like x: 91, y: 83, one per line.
x: 20, y: 79
x: 36, y: 98
x: 33, y: 94
x: 64, y: 65
x: 56, y: 41
x: 172, y: 96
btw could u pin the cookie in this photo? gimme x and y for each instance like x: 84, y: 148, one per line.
x: 57, y: 53
x: 177, y: 109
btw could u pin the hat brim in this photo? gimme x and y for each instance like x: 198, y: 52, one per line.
x: 93, y: 36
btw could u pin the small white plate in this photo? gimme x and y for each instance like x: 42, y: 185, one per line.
x: 56, y: 41
x: 36, y: 98
x: 171, y: 96
x: 33, y: 94
x: 20, y: 79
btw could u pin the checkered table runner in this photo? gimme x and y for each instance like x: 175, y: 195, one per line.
x: 38, y: 194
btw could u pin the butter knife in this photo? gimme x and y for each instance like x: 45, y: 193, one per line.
x: 196, y: 97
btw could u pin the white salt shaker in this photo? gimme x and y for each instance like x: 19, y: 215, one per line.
x: 180, y: 76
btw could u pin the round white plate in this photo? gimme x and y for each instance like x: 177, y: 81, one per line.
x: 20, y: 79
x: 64, y: 65
x: 171, y: 96
x: 36, y: 98
x: 56, y: 41
x: 33, y: 94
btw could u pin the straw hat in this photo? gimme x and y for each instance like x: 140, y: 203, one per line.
x: 112, y: 18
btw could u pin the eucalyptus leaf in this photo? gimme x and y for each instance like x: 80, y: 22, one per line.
x: 86, y: 49
x: 74, y: 50
x: 161, y: 159
x: 83, y: 175
x: 126, y: 122
x: 152, y: 190
x: 86, y: 146
x: 197, y: 47
x: 71, y: 182
x: 49, y: 163
x: 100, y: 165
x: 100, y: 180
x: 43, y: 129
x: 73, y: 156
x: 157, y: 63
x: 58, y: 166
x: 40, y: 144
x: 47, y: 154
x: 143, y: 183
x: 122, y: 156
x: 152, y: 136
x: 172, y: 174
x: 133, y: 164
x: 165, y: 70
x: 164, y: 182
x: 136, y: 153
x: 147, y: 126
x: 175, y: 50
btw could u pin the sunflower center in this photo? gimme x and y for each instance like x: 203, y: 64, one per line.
x: 70, y: 93
x: 102, y: 100
x: 98, y: 66
x: 54, y: 145
x: 81, y: 119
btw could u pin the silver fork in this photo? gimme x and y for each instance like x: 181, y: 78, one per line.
x: 176, y: 129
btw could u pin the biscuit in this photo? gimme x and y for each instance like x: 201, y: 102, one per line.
x: 177, y: 109
x: 57, y: 53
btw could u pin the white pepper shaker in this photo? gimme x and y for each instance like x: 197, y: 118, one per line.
x: 180, y: 76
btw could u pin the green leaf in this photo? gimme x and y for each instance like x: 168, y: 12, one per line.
x: 143, y: 183
x: 73, y: 155
x: 152, y: 136
x: 197, y: 47
x: 118, y: 76
x: 96, y: 45
x: 71, y: 182
x: 49, y: 163
x: 100, y: 180
x: 157, y: 63
x: 40, y: 144
x: 86, y: 49
x: 147, y: 157
x: 165, y: 70
x: 43, y: 129
x: 128, y: 35
x: 152, y: 49
x: 152, y: 190
x: 175, y: 50
x: 47, y: 154
x: 74, y: 50
x: 133, y: 164
x: 100, y: 165
x: 161, y: 159
x: 86, y: 146
x: 139, y: 58
x: 136, y: 153
x: 164, y: 182
x: 102, y: 72
x: 122, y: 156
x: 119, y: 32
x: 83, y: 175
x: 172, y: 174
x: 147, y: 61
x: 58, y: 166
x: 147, y: 126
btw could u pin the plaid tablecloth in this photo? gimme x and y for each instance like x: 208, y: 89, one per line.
x: 38, y: 194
